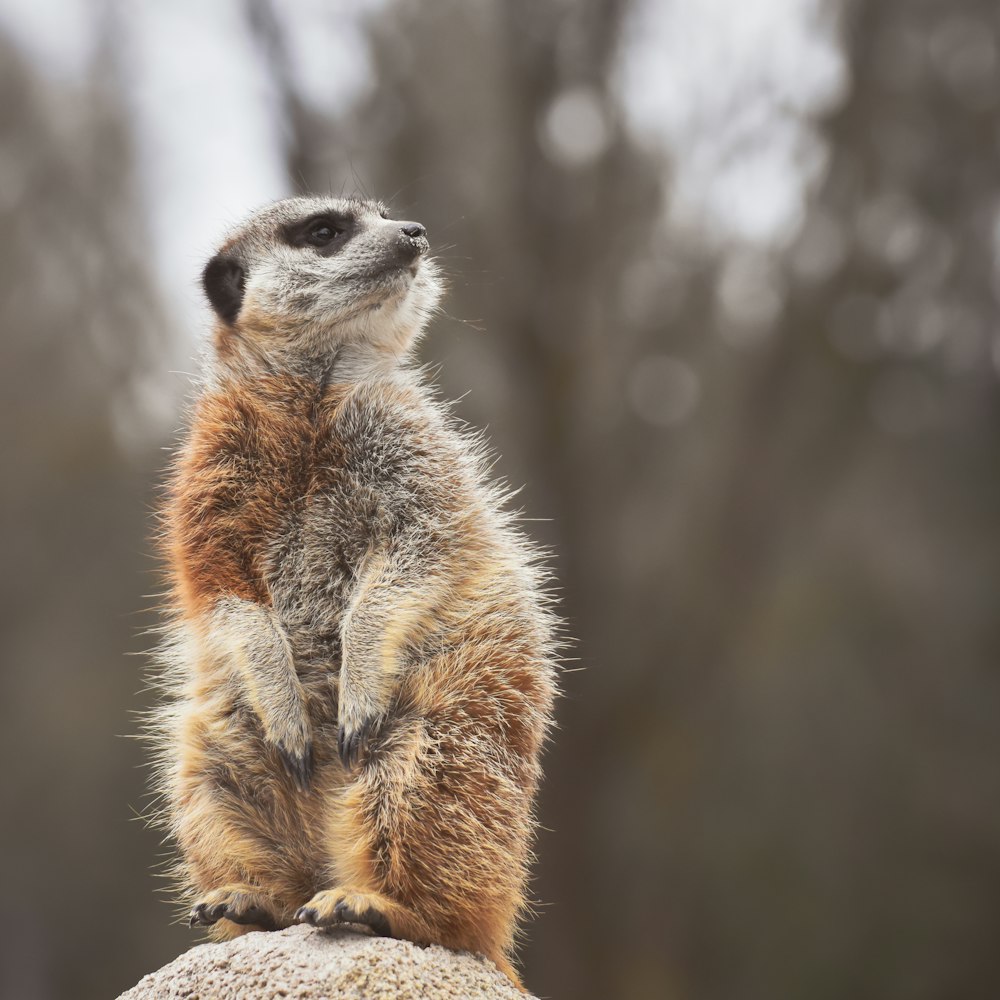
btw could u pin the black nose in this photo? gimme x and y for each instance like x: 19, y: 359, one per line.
x: 413, y: 229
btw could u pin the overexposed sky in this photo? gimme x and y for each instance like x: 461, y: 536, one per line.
x: 59, y: 34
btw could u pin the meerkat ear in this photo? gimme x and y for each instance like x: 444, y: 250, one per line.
x: 224, y: 282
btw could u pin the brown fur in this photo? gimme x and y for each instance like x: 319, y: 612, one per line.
x: 314, y: 515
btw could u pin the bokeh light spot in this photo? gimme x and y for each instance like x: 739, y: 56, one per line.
x: 575, y: 129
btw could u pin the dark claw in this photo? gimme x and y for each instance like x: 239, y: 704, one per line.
x: 344, y: 747
x: 306, y: 915
x: 298, y: 767
x: 202, y: 917
x: 370, y: 918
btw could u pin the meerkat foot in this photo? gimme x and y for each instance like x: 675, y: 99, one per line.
x: 343, y: 906
x: 242, y: 905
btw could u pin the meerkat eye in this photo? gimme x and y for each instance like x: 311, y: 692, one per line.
x: 321, y: 233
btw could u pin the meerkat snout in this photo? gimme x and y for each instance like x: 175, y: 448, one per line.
x: 406, y: 241
x: 414, y: 238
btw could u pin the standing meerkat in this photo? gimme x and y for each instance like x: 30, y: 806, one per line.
x: 359, y: 655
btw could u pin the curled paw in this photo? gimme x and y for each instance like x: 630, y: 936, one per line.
x: 341, y: 906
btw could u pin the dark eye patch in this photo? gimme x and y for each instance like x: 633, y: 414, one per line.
x: 325, y: 232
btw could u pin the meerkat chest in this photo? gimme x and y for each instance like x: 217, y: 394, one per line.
x: 323, y: 518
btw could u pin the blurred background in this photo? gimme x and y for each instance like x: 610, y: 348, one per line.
x: 724, y: 292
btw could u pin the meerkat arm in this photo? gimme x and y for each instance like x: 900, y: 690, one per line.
x: 252, y: 638
x: 392, y: 607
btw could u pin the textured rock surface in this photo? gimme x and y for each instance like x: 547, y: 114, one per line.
x: 303, y: 962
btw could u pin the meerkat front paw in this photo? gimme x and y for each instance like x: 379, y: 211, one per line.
x: 239, y: 904
x: 344, y: 906
x: 360, y: 715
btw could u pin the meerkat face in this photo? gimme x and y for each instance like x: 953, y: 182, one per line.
x: 309, y: 275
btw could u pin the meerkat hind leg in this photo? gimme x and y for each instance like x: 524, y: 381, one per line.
x: 244, y: 905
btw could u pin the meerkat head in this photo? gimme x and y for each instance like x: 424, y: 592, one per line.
x: 309, y: 276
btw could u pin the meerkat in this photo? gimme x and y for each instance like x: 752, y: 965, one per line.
x: 360, y: 652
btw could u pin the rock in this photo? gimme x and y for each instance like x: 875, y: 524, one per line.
x: 323, y: 965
